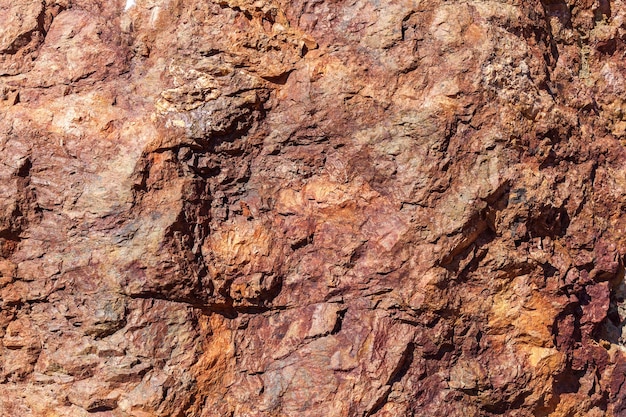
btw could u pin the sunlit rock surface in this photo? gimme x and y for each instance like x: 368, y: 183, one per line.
x: 312, y: 208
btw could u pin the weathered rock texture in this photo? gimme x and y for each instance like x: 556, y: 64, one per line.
x: 312, y: 208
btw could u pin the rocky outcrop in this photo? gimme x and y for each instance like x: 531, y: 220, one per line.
x: 321, y: 208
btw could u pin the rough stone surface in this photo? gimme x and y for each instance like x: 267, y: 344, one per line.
x: 312, y: 208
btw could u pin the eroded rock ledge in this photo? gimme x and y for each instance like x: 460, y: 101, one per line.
x: 320, y: 208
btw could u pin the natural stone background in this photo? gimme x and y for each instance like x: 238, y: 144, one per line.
x: 312, y: 208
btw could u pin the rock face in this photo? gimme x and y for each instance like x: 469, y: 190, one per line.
x: 312, y: 208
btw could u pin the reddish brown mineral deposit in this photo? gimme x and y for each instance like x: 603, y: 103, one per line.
x: 338, y: 208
